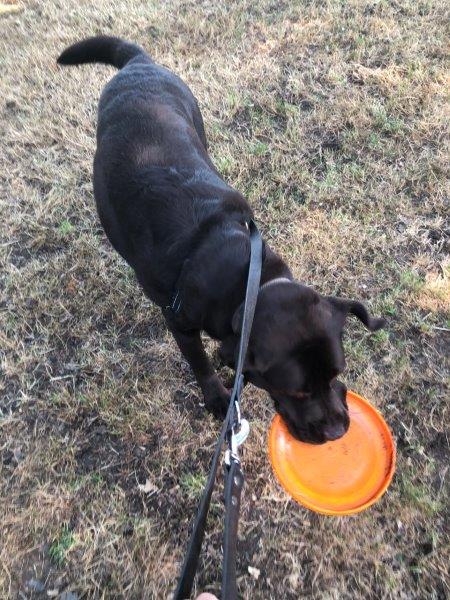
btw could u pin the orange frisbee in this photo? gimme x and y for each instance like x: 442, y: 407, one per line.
x: 341, y: 477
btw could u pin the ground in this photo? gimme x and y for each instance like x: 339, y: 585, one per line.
x: 331, y: 118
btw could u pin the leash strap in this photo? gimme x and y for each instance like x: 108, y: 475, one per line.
x: 233, y: 489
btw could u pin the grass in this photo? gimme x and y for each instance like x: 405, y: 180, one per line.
x: 59, y: 548
x: 193, y: 484
x: 332, y: 119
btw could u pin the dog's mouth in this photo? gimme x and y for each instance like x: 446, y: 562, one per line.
x: 315, y: 435
x: 312, y: 433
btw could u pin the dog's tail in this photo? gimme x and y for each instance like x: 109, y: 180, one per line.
x: 103, y: 49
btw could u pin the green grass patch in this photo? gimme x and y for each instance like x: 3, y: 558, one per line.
x: 61, y: 545
x: 331, y: 179
x: 224, y: 164
x: 192, y: 484
x: 259, y: 148
x: 419, y: 495
x: 374, y: 140
x: 386, y: 123
x: 380, y: 338
x: 65, y: 227
x: 355, y: 171
x: 411, y: 281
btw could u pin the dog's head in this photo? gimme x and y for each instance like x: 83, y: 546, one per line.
x: 295, y: 353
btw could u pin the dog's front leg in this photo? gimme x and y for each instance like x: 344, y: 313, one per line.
x: 215, y: 393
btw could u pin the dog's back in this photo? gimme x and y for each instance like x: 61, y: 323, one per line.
x: 144, y: 104
x: 154, y: 182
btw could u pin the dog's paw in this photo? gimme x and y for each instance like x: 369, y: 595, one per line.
x: 217, y: 406
x: 217, y: 398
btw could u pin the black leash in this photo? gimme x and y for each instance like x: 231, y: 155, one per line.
x: 234, y: 479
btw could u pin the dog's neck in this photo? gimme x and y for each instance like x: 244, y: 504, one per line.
x: 219, y: 279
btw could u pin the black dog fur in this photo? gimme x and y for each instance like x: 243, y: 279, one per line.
x: 168, y: 212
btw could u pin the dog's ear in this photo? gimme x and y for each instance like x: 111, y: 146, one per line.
x: 359, y: 310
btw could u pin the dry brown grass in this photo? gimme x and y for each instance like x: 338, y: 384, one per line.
x: 331, y: 117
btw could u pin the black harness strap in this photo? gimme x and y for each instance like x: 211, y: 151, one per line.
x: 234, y: 477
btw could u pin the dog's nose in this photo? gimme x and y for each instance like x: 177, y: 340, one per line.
x: 334, y: 432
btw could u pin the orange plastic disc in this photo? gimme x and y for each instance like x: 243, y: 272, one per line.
x: 341, y: 477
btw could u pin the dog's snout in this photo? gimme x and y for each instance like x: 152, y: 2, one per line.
x: 334, y: 431
x: 317, y: 420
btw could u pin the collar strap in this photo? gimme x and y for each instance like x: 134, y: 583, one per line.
x: 275, y: 282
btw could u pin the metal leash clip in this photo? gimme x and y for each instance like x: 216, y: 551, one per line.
x: 236, y: 439
x: 243, y: 432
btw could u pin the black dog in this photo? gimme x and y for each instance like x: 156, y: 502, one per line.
x: 168, y: 212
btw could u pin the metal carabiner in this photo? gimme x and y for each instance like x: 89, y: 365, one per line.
x: 243, y: 432
x: 235, y: 440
